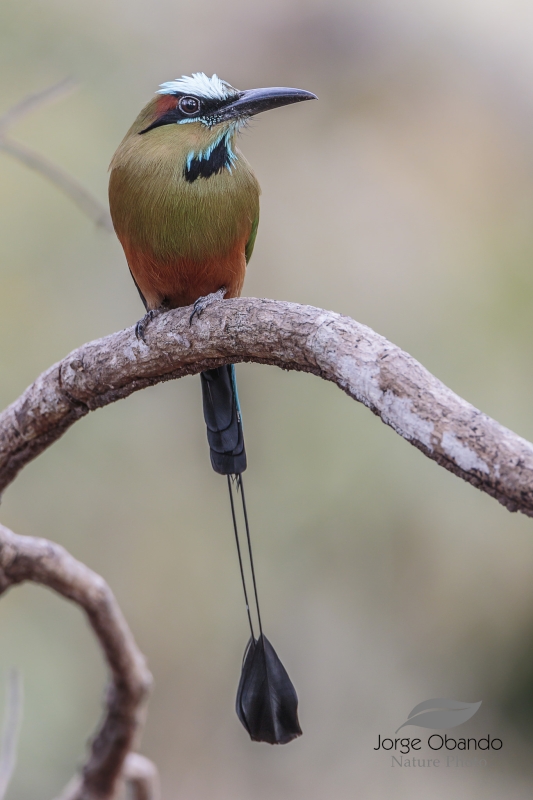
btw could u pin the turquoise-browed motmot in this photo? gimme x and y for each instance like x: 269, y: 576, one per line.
x: 185, y: 206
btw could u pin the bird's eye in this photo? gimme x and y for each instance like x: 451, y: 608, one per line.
x: 189, y: 105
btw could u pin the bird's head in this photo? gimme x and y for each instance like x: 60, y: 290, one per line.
x: 213, y: 102
x: 204, y: 114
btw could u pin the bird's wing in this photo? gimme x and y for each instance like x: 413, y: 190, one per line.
x: 248, y: 250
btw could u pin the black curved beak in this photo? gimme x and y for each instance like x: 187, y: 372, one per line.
x: 254, y: 101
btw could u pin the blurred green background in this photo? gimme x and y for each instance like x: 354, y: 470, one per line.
x: 404, y: 198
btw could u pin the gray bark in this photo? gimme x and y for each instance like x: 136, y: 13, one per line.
x: 24, y: 558
x: 370, y: 369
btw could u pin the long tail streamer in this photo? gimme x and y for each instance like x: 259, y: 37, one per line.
x: 267, y: 702
x: 266, y: 699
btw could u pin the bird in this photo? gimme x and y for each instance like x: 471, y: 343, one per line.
x: 184, y: 203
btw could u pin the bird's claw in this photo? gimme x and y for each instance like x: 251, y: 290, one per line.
x: 142, y: 324
x: 203, y: 302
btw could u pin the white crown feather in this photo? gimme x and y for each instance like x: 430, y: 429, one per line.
x: 200, y: 85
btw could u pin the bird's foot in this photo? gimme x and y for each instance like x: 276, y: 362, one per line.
x: 141, y: 326
x: 203, y: 302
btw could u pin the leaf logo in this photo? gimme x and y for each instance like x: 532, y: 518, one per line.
x: 441, y: 713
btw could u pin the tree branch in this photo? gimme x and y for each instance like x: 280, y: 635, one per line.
x: 34, y: 101
x: 362, y: 363
x: 23, y: 558
x: 141, y: 777
x: 62, y: 180
x: 85, y: 201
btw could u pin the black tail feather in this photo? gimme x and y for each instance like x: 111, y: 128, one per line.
x: 267, y: 702
x: 223, y: 419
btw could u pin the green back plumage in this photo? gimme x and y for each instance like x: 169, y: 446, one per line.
x: 249, y: 249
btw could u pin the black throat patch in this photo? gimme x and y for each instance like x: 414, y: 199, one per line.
x: 219, y: 159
